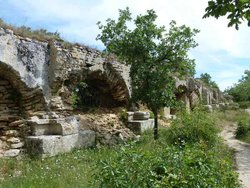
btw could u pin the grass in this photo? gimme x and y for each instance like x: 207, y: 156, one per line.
x: 67, y: 170
x: 143, y: 163
x: 245, y: 138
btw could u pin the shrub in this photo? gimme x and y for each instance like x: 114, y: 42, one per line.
x: 123, y: 116
x: 244, y: 104
x: 243, y: 128
x: 198, y: 126
x: 166, y: 166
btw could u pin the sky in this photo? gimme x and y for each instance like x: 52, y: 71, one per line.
x: 223, y: 52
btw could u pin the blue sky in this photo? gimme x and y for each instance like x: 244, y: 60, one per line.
x: 223, y: 52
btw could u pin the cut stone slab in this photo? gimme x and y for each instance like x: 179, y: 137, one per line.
x: 14, y: 140
x: 11, y: 153
x: 141, y: 115
x: 139, y: 126
x: 63, y: 126
x: 51, y: 145
x: 18, y: 145
x: 44, y: 127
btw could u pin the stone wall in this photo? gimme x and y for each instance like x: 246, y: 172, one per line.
x: 193, y: 93
x: 37, y: 80
x: 36, y: 83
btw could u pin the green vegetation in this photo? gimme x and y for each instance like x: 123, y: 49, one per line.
x: 67, y: 170
x: 240, y: 91
x: 183, y: 160
x: 240, y: 118
x: 200, y: 161
x: 236, y: 11
x: 39, y: 34
x: 207, y: 80
x: 193, y: 128
x: 155, y: 56
x: 243, y: 129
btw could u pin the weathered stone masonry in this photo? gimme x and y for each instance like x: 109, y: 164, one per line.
x: 36, y: 84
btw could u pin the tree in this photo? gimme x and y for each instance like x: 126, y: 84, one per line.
x: 240, y: 91
x: 155, y: 56
x: 237, y: 10
x: 207, y: 80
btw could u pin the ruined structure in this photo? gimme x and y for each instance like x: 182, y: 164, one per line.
x: 37, y: 80
x: 36, y: 84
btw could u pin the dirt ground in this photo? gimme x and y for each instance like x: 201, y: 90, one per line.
x: 242, y: 154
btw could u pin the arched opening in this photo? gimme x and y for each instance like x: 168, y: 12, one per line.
x: 101, y: 88
x: 17, y: 102
x: 183, y: 99
x: 11, y: 114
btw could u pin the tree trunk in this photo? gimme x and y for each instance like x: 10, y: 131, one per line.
x: 156, y: 136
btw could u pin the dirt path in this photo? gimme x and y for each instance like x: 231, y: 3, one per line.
x: 242, y: 155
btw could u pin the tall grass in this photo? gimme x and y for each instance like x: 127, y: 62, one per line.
x: 198, y: 161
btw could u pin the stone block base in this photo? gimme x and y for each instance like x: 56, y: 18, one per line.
x: 139, y: 126
x: 51, y: 145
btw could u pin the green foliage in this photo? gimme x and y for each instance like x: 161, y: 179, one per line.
x: 151, y: 115
x: 155, y: 55
x: 236, y: 11
x: 198, y: 126
x: 207, y: 80
x: 84, y: 96
x: 145, y: 163
x: 123, y: 116
x: 66, y: 170
x: 243, y: 128
x: 244, y: 104
x: 161, y: 165
x: 240, y: 91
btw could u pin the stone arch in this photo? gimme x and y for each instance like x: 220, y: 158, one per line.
x: 17, y: 103
x: 111, y: 84
x: 182, y: 95
x: 108, y: 87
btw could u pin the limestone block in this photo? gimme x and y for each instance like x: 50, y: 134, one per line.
x: 50, y: 145
x: 14, y: 140
x: 209, y: 108
x: 139, y: 126
x: 43, y: 146
x: 130, y: 116
x: 86, y: 138
x: 4, y: 138
x: 12, y: 153
x: 17, y: 145
x: 69, y: 125
x: 141, y: 115
x: 11, y: 133
x: 166, y: 112
x: 3, y: 145
x: 46, y: 129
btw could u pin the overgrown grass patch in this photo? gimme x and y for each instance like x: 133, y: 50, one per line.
x: 67, y: 170
x: 196, y: 162
x: 161, y: 165
x: 194, y: 156
x: 243, y: 129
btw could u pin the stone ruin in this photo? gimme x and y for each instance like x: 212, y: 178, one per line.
x: 36, y: 84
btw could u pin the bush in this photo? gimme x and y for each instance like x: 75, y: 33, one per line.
x: 198, y: 126
x: 243, y: 128
x: 123, y: 116
x: 244, y: 104
x: 166, y: 166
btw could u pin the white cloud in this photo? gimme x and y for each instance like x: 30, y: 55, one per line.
x: 218, y: 44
